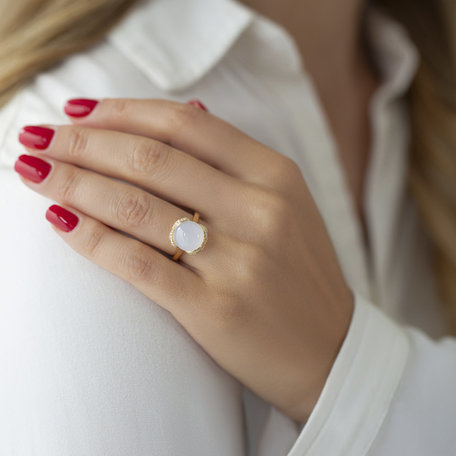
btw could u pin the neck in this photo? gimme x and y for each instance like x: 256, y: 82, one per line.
x: 327, y: 33
x: 329, y: 36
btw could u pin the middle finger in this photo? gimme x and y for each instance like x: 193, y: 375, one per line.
x: 150, y: 164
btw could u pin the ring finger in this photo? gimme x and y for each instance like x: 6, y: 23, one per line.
x: 116, y: 204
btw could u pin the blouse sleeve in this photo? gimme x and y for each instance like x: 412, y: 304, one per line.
x: 391, y: 391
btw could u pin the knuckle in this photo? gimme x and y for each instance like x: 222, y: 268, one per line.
x: 137, y: 265
x: 148, y: 157
x: 247, y: 265
x: 117, y: 107
x: 272, y: 214
x: 290, y: 168
x: 133, y: 208
x: 93, y: 242
x: 77, y: 141
x: 67, y: 188
x: 252, y: 261
x: 282, y: 175
x: 182, y: 116
x: 230, y: 306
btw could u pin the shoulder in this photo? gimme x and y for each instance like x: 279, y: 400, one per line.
x: 101, y: 71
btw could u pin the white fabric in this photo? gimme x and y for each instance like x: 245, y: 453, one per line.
x: 90, y: 366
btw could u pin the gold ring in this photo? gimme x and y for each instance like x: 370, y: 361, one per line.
x: 188, y: 236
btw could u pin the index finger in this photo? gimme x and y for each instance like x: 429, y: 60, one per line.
x: 185, y: 127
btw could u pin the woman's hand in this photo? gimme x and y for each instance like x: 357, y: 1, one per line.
x: 265, y: 298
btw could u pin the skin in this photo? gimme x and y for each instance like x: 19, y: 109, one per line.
x: 266, y: 297
x: 327, y: 34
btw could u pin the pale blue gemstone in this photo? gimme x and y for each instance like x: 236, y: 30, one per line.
x: 189, y: 236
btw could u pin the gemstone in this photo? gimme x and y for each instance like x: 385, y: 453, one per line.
x: 189, y: 236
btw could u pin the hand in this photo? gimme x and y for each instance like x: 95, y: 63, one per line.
x: 265, y: 298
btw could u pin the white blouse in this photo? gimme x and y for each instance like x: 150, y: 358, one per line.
x: 90, y: 366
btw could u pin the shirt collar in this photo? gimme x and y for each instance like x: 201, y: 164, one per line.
x: 176, y: 42
x: 395, y: 53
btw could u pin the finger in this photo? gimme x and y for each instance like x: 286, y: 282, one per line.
x: 168, y: 283
x: 191, y: 129
x: 121, y: 206
x: 150, y: 164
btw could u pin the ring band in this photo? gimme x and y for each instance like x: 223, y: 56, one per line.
x: 188, y: 236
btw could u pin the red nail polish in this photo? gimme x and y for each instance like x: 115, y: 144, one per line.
x: 62, y: 218
x: 36, y: 137
x: 32, y: 168
x: 79, y: 107
x: 198, y: 103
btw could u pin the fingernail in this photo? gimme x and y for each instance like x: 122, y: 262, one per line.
x: 198, y: 103
x: 36, y: 137
x: 62, y: 218
x: 79, y: 107
x: 32, y: 168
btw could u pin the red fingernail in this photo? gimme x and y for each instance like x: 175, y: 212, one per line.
x: 79, y: 107
x: 32, y: 168
x: 36, y: 137
x: 198, y: 103
x: 62, y: 218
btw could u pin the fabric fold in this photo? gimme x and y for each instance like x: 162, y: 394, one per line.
x: 359, y: 389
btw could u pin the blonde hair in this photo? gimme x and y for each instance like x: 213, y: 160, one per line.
x: 432, y: 105
x: 37, y: 34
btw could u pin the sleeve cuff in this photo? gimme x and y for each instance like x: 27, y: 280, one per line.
x: 359, y: 389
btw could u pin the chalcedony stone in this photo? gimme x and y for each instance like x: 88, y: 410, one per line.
x: 189, y: 236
